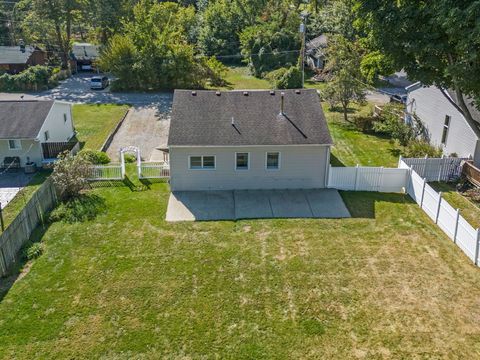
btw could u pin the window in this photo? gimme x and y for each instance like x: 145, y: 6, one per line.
x: 273, y: 161
x: 446, y: 126
x: 202, y: 162
x: 14, y: 144
x: 46, y: 134
x: 242, y: 161
x: 64, y: 118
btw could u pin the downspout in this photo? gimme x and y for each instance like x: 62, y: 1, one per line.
x: 327, y: 167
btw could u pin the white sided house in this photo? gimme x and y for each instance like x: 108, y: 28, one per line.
x: 248, y: 140
x: 444, y: 122
x: 35, y: 131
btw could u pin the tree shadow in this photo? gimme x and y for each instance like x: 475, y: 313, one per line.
x: 335, y: 161
x: 79, y: 209
x: 361, y: 204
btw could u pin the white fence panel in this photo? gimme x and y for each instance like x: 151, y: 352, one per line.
x: 105, y: 172
x: 394, y: 180
x: 369, y: 179
x: 415, y: 188
x: 430, y: 202
x: 342, y: 178
x: 435, y: 169
x: 447, y: 219
x: 154, y: 171
x: 466, y: 238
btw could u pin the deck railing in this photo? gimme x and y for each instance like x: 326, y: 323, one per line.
x: 472, y: 173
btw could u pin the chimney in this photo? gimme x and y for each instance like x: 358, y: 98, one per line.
x: 22, y: 46
x: 233, y: 121
x: 282, y: 103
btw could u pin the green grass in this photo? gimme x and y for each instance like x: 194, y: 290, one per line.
x: 386, y: 284
x: 469, y: 210
x: 95, y: 122
x: 239, y: 78
x: 24, y: 195
x: 354, y: 147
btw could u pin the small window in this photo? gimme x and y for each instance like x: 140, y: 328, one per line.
x: 242, y: 161
x: 46, y: 134
x: 14, y: 144
x: 446, y: 126
x: 64, y: 118
x: 273, y: 161
x: 202, y: 162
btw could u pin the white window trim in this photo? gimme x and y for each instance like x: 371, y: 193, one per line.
x: 279, y: 160
x: 202, y: 168
x: 446, y: 129
x: 18, y: 141
x: 248, y: 161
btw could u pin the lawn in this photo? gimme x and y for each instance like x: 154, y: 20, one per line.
x: 385, y: 284
x: 354, y: 147
x: 469, y: 210
x: 24, y: 195
x: 95, y: 122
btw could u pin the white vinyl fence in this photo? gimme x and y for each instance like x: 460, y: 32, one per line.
x: 445, y: 216
x: 106, y: 172
x: 152, y: 170
x: 361, y: 178
x: 435, y: 169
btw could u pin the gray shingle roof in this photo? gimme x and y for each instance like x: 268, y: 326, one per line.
x: 13, y: 55
x: 205, y: 119
x: 22, y: 119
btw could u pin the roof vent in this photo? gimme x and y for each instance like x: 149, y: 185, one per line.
x: 272, y: 92
x: 245, y: 93
x: 194, y: 93
x: 217, y: 93
x: 297, y: 91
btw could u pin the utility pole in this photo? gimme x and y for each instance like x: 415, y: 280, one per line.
x: 303, y: 31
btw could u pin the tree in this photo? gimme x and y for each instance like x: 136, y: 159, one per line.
x: 284, y: 78
x: 346, y: 81
x: 436, y: 41
x: 70, y: 174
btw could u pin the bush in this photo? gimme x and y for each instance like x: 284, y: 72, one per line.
x: 364, y: 123
x: 95, y: 157
x: 33, y: 250
x: 79, y: 209
x: 284, y: 78
x: 421, y: 148
x: 70, y: 174
x: 391, y: 123
x: 34, y: 78
x: 129, y: 158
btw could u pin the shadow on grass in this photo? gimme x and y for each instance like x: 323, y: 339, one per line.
x: 361, y: 204
x: 83, y: 208
x: 335, y: 161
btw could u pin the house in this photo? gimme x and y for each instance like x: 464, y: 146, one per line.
x: 240, y: 140
x: 315, y: 52
x: 35, y: 131
x: 444, y: 123
x: 15, y: 59
x: 84, y: 56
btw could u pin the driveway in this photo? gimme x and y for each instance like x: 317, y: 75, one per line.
x: 255, y: 204
x: 10, y: 184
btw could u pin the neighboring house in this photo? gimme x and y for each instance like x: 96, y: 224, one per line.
x: 315, y: 51
x: 237, y: 140
x: 444, y: 122
x: 35, y: 130
x: 15, y: 59
x: 84, y: 56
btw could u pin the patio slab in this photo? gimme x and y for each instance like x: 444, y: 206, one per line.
x: 255, y: 204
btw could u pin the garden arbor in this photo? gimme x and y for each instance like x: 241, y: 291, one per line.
x: 130, y: 149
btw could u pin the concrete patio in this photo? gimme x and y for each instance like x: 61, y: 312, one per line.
x: 255, y: 204
x: 10, y: 184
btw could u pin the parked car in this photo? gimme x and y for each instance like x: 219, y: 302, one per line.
x: 99, y: 82
x: 398, y: 98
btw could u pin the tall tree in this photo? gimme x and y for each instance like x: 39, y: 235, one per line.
x: 437, y: 42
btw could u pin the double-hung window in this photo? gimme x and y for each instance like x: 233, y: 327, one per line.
x: 242, y: 161
x: 202, y: 162
x: 272, y: 161
x: 14, y: 144
x: 446, y: 126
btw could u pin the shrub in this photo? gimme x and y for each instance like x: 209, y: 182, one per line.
x: 364, y: 123
x: 473, y: 194
x: 391, y: 123
x: 284, y: 78
x: 421, y: 148
x: 129, y: 158
x: 70, y: 174
x: 33, y: 250
x: 95, y: 157
x: 32, y: 79
x: 79, y: 209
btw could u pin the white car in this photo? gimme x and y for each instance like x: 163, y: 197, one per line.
x: 99, y: 82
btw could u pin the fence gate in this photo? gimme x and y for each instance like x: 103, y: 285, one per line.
x: 130, y: 149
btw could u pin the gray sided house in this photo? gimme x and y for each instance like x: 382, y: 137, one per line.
x: 444, y: 122
x: 315, y: 51
x: 238, y: 140
x: 35, y: 131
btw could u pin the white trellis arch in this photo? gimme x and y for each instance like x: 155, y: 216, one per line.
x: 129, y: 149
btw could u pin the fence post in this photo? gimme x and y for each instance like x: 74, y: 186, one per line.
x: 438, y: 207
x: 456, y: 227
x: 425, y: 166
x: 423, y: 192
x: 477, y: 246
x: 380, y: 182
x: 356, y: 178
x: 400, y: 160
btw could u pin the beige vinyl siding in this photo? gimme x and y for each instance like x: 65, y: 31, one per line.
x: 301, y: 167
x: 432, y: 106
x: 29, y: 148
